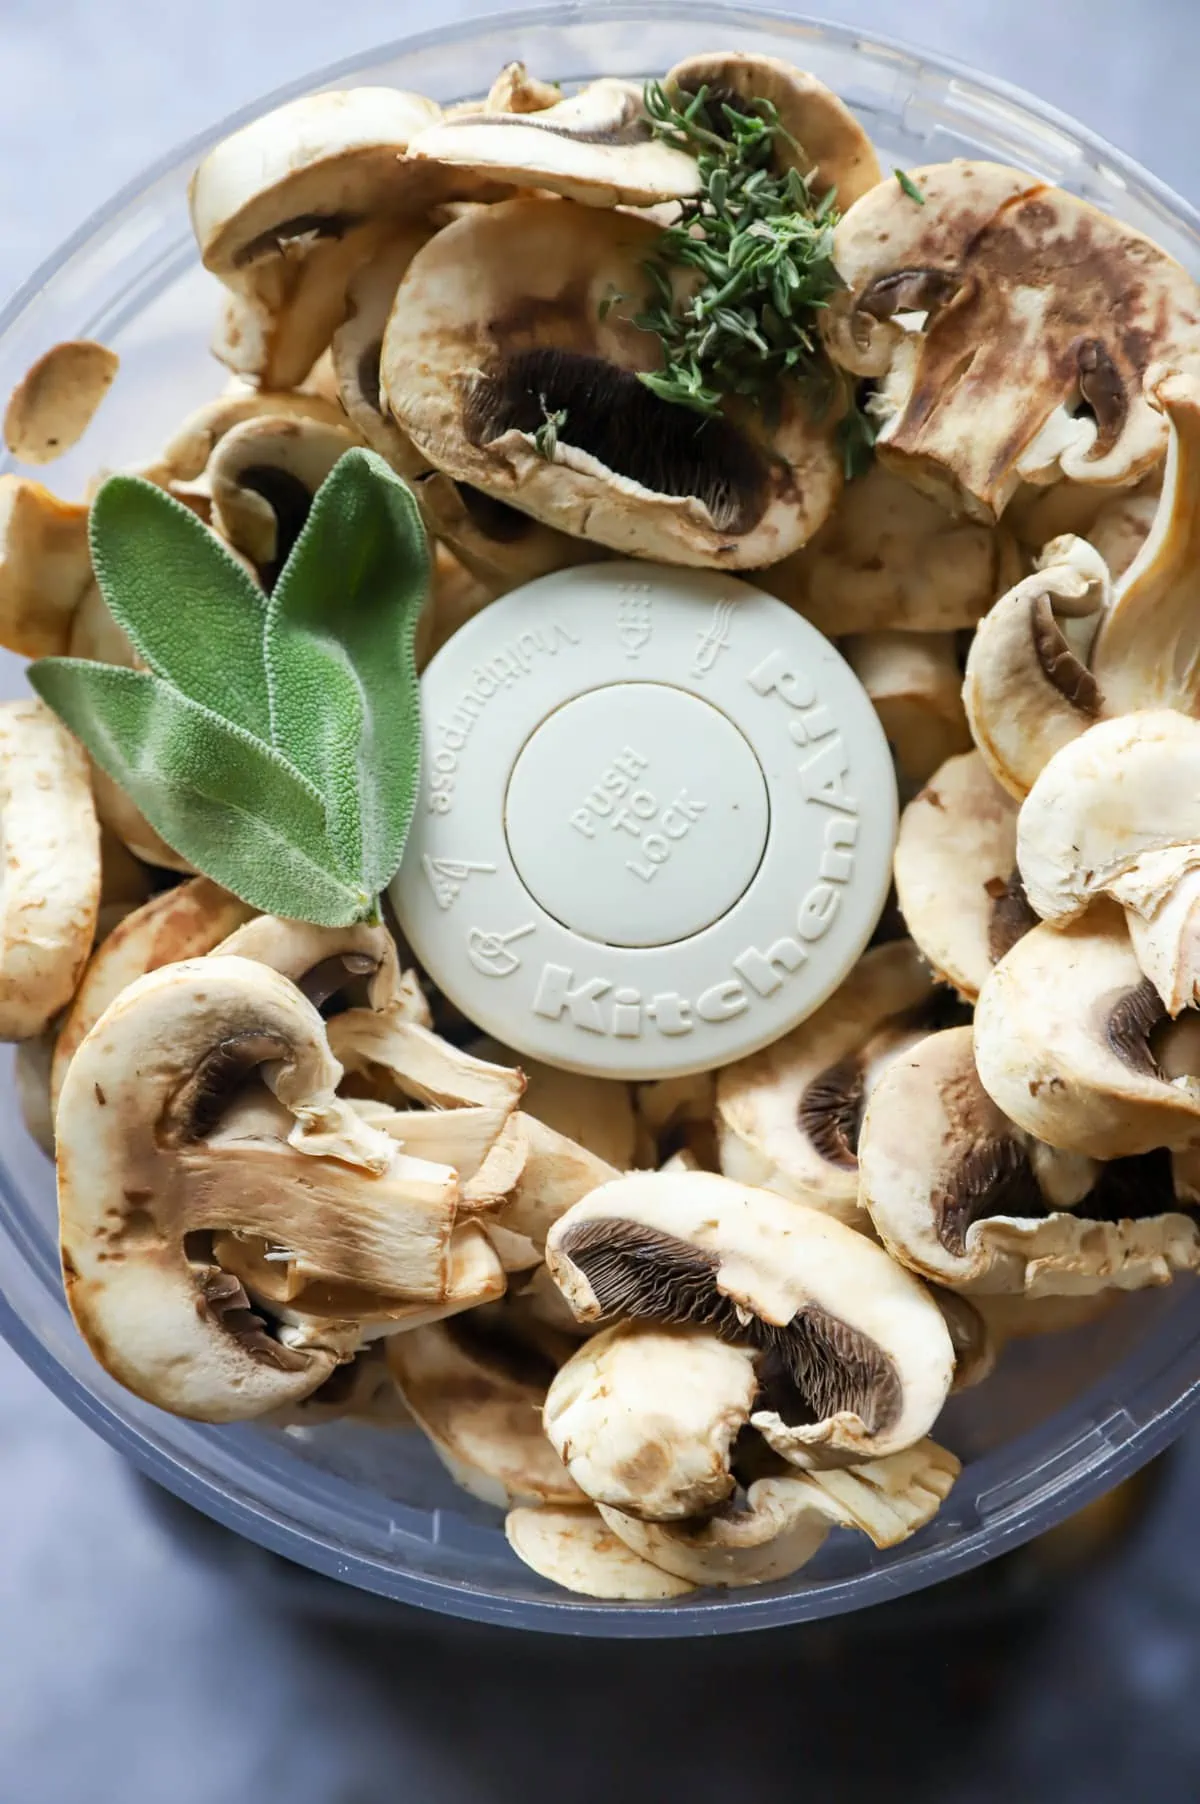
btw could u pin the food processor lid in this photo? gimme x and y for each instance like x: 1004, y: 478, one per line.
x: 655, y: 823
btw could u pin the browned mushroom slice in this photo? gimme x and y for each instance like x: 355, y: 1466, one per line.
x: 55, y: 401
x: 523, y: 383
x: 1037, y: 318
x: 854, y: 1358
x: 956, y: 876
x: 953, y: 1192
x: 45, y: 567
x: 788, y: 1117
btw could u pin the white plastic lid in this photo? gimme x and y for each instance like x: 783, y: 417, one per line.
x: 656, y: 820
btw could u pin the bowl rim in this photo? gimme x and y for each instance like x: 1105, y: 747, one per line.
x: 1101, y: 1460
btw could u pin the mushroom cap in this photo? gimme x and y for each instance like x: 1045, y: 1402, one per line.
x: 185, y: 456
x: 498, y: 327
x: 478, y: 1393
x: 782, y: 1522
x: 185, y: 922
x: 1115, y: 812
x: 1028, y: 691
x: 891, y: 557
x: 956, y: 853
x: 50, y: 890
x: 595, y: 1112
x: 828, y: 144
x: 596, y: 147
x: 576, y: 1549
x: 1063, y: 1044
x: 45, y: 567
x: 644, y: 1417
x: 1034, y: 302
x: 788, y: 1116
x: 326, y: 962
x: 56, y: 399
x: 915, y: 685
x: 862, y: 1355
x: 263, y: 476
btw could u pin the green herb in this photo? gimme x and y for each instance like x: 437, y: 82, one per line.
x: 856, y: 436
x: 909, y: 186
x: 273, y: 742
x: 757, y: 253
x: 611, y: 299
x: 545, y: 439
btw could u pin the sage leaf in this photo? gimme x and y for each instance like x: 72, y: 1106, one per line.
x: 340, y: 664
x: 224, y: 800
x: 192, y: 612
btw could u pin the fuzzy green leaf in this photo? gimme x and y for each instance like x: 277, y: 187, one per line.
x: 340, y: 664
x: 192, y: 612
x: 225, y: 801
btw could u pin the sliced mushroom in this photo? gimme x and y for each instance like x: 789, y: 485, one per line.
x: 393, y: 1059
x: 781, y: 1523
x: 455, y: 596
x: 50, y: 890
x: 45, y: 567
x: 855, y: 1359
x: 523, y: 383
x: 185, y: 922
x: 150, y: 1167
x: 597, y: 148
x: 1011, y: 325
x: 788, y: 1117
x: 676, y: 1116
x: 1028, y: 689
x: 891, y: 557
x: 358, y: 345
x: 1065, y: 1043
x: 263, y: 476
x: 462, y: 1137
x: 915, y: 684
x: 186, y: 455
x: 361, y: 1391
x: 1116, y: 525
x: 956, y: 874
x: 289, y: 208
x: 596, y: 1112
x: 977, y: 1343
x: 333, y: 966
x: 476, y: 1388
x: 645, y: 1417
x: 515, y: 90
x: 574, y: 1548
x: 56, y: 400
x: 532, y: 1176
x: 821, y: 138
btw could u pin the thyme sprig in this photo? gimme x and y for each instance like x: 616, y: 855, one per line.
x: 761, y: 245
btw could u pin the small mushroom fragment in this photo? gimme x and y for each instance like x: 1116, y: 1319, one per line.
x: 1065, y: 1043
x: 531, y: 1177
x: 788, y: 1116
x: 976, y: 1341
x: 576, y: 1549
x: 523, y: 383
x: 56, y: 400
x: 263, y: 476
x: 289, y: 208
x: 854, y: 1358
x: 497, y: 543
x: 1116, y: 525
x: 1028, y: 689
x: 596, y: 1112
x: 915, y: 684
x: 185, y: 922
x: 1011, y: 326
x: 676, y: 1116
x: 45, y: 567
x: 150, y: 1166
x: 361, y: 1391
x: 891, y: 557
x: 476, y: 1387
x: 821, y: 138
x: 781, y: 1523
x: 956, y: 875
x: 50, y: 890
x: 515, y: 90
x: 393, y: 1059
x: 645, y: 1417
x: 596, y: 147
x: 954, y: 1194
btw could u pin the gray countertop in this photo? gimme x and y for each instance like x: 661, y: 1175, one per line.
x: 148, y: 1656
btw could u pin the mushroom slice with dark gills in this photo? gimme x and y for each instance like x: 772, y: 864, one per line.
x: 778, y: 1524
x: 788, y: 1117
x: 596, y: 147
x: 821, y: 138
x: 956, y: 873
x: 152, y: 1164
x: 952, y: 1185
x: 854, y: 1359
x: 498, y: 545
x: 336, y: 968
x: 1069, y: 1042
x: 1010, y: 326
x: 512, y: 361
x: 262, y: 478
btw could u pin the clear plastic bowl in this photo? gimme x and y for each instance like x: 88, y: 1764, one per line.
x: 1060, y: 1421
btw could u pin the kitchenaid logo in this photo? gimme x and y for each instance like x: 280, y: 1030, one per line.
x: 501, y: 671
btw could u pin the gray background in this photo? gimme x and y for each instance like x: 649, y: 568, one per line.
x: 146, y: 1656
